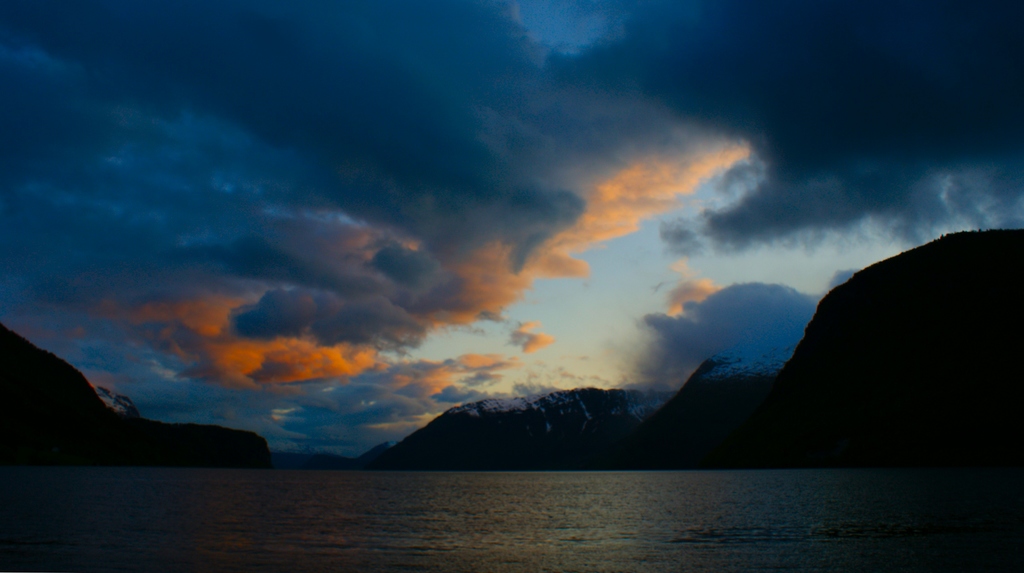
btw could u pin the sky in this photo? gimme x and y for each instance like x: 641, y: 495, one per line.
x: 329, y: 222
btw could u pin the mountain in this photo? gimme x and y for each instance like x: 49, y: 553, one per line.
x: 914, y: 361
x: 120, y: 404
x: 289, y: 460
x: 203, y: 445
x: 331, y: 462
x: 334, y: 462
x: 52, y: 415
x: 719, y: 396
x: 324, y: 461
x: 555, y: 431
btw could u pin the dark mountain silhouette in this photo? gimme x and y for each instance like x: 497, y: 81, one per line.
x: 53, y: 416
x: 557, y: 431
x: 333, y: 462
x: 720, y: 395
x: 289, y: 460
x: 324, y: 461
x: 914, y: 361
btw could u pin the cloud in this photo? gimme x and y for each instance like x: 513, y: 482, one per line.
x: 197, y: 339
x: 278, y: 313
x: 386, y: 402
x: 383, y: 109
x: 689, y: 291
x: 840, y: 277
x: 529, y: 341
x: 342, y: 173
x: 648, y: 187
x: 281, y: 197
x: 408, y: 267
x: 428, y: 377
x: 382, y: 404
x: 570, y: 25
x: 457, y: 395
x: 680, y: 239
x: 328, y: 319
x: 901, y: 114
x: 742, y: 313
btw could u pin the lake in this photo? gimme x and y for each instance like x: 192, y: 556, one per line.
x: 158, y: 519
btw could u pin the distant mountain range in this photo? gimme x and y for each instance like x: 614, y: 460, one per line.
x: 323, y: 461
x: 53, y: 416
x: 914, y: 361
x: 556, y: 431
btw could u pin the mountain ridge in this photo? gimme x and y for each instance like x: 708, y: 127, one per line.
x: 715, y: 400
x: 55, y: 417
x: 910, y: 362
x: 553, y: 431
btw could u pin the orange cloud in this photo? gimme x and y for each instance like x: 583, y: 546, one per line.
x: 282, y: 360
x: 198, y: 332
x: 485, y: 361
x: 689, y: 291
x: 530, y: 341
x: 617, y: 206
x: 206, y: 316
x: 488, y: 283
x: 428, y: 377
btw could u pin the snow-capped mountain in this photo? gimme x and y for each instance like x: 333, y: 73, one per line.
x: 619, y: 402
x: 119, y: 403
x: 747, y: 360
x: 720, y: 395
x: 554, y: 431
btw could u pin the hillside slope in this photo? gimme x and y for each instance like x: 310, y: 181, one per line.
x: 914, y: 361
x: 53, y: 416
x: 556, y: 431
x: 720, y: 395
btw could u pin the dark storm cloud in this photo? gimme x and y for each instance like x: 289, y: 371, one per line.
x: 233, y: 147
x: 414, y: 269
x: 350, y: 419
x: 262, y: 170
x: 257, y: 258
x: 329, y: 318
x: 236, y: 143
x: 768, y: 315
x: 386, y: 98
x: 278, y: 313
x: 373, y: 321
x: 35, y: 110
x: 907, y: 112
x: 194, y: 129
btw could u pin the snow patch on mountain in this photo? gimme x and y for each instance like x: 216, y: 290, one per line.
x: 635, y: 403
x: 749, y: 360
x: 120, y: 404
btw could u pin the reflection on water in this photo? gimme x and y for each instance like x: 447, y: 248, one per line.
x: 131, y: 519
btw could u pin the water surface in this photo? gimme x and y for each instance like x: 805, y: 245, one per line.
x: 155, y: 519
